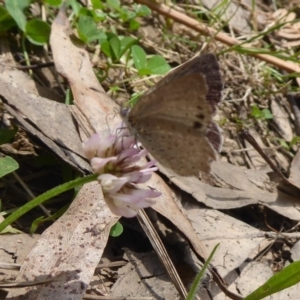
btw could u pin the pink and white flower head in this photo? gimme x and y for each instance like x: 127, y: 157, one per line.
x: 114, y: 158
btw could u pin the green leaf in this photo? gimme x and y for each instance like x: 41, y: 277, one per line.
x: 141, y: 10
x: 6, y: 21
x: 139, y: 57
x: 99, y: 15
x: 114, y: 4
x: 97, y: 4
x: 255, y: 112
x: 38, y: 32
x: 295, y: 140
x: 284, y: 144
x: 158, y: 65
x: 102, y: 37
x: 39, y: 221
x: 53, y: 2
x: 116, y: 230
x: 10, y: 229
x: 115, y: 45
x: 126, y: 43
x: 75, y: 5
x: 135, y: 98
x: 110, y: 35
x: 287, y: 277
x: 114, y: 15
x: 6, y: 135
x: 144, y: 72
x: 260, y: 114
x: 267, y: 114
x: 15, y: 8
x: 134, y: 24
x: 105, y: 47
x: 7, y: 165
x: 85, y: 12
x: 88, y: 31
x: 35, y: 224
x: 127, y: 14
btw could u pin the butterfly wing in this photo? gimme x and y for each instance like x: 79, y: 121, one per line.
x: 172, y: 125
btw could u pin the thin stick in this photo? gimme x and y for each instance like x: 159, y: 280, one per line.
x: 249, y: 138
x: 161, y: 251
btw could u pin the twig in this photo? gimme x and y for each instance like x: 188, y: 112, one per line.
x: 161, y: 251
x: 11, y: 285
x: 249, y: 138
x: 294, y: 100
x: 29, y: 192
x: 165, y: 259
x: 36, y: 66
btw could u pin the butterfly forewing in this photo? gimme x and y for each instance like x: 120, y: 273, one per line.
x: 182, y: 101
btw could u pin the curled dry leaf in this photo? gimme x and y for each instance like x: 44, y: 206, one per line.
x: 289, y: 28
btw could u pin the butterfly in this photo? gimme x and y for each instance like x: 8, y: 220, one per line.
x: 174, y: 119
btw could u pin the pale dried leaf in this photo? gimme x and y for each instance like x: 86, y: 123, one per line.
x: 237, y: 239
x: 252, y: 276
x: 8, y: 68
x: 289, y: 36
x: 289, y: 45
x: 35, y: 113
x: 295, y: 251
x: 282, y: 120
x: 295, y: 170
x: 168, y: 206
x: 13, y: 250
x: 143, y: 271
x: 255, y: 159
x: 240, y: 190
x: 74, y: 64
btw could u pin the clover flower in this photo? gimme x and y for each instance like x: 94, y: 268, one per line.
x: 114, y: 158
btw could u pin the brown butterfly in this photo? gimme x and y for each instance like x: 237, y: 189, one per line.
x: 173, y: 120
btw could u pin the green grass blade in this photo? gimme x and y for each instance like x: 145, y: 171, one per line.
x: 195, y: 286
x: 287, y: 277
x: 44, y: 197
